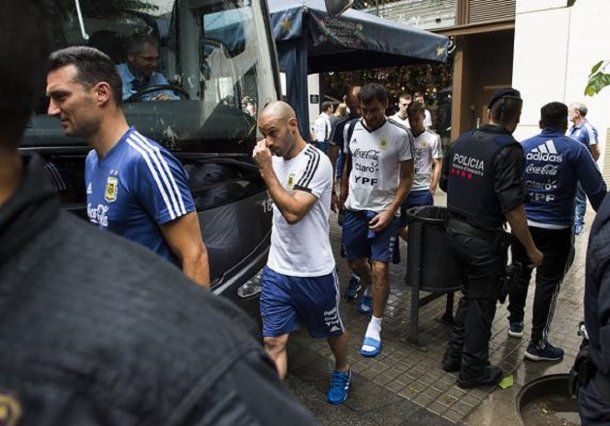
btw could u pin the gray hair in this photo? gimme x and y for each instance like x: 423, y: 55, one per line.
x: 580, y: 107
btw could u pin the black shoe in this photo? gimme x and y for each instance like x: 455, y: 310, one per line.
x: 451, y: 365
x: 490, y: 376
x: 543, y: 351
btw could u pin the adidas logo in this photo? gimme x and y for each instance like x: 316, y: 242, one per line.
x: 545, y: 152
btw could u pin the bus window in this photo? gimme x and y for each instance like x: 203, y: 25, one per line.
x: 194, y: 71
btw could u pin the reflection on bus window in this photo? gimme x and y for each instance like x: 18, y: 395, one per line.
x: 141, y: 80
x: 194, y: 71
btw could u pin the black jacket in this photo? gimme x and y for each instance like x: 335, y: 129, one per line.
x: 97, y: 330
x: 597, y: 288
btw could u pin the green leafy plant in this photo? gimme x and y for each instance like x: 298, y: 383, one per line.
x: 598, y: 78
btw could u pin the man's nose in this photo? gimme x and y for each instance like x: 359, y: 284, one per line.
x: 53, y: 108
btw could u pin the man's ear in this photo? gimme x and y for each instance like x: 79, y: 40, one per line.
x: 293, y: 124
x: 103, y: 93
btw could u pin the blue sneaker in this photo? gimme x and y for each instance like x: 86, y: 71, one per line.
x: 351, y: 292
x: 515, y: 329
x: 366, y: 305
x: 340, y: 381
x: 543, y: 351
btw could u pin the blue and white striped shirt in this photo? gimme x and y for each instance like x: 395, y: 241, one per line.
x: 136, y: 187
x: 584, y: 133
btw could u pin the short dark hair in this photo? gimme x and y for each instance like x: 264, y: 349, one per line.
x: 137, y: 41
x: 93, y: 66
x: 406, y: 96
x: 326, y: 105
x: 371, y: 92
x: 505, y: 105
x: 24, y: 51
x: 415, y: 108
x: 554, y: 115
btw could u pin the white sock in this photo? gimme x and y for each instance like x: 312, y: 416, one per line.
x: 373, y: 331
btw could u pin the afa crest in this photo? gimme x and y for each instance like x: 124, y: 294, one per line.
x: 383, y: 143
x: 112, y: 187
x: 291, y: 179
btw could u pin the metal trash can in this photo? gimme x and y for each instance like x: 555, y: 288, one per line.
x: 430, y: 265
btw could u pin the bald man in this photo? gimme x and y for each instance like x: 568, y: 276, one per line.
x: 299, y: 283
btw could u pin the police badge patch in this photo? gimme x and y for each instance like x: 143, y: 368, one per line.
x: 10, y: 410
x: 112, y: 187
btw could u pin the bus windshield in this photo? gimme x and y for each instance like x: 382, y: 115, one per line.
x: 195, y: 72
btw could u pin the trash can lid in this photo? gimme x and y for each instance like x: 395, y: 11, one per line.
x: 435, y: 215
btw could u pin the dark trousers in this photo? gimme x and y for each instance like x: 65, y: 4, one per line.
x: 481, y: 264
x: 557, y: 247
x: 594, y: 401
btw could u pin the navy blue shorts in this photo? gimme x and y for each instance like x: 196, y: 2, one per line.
x: 288, y: 302
x: 414, y: 199
x: 360, y: 242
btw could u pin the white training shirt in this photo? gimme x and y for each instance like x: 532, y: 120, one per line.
x: 427, y: 119
x: 376, y: 154
x: 404, y: 121
x: 303, y: 249
x: 322, y: 128
x: 427, y: 148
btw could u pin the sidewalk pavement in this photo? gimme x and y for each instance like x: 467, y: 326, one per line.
x: 405, y: 385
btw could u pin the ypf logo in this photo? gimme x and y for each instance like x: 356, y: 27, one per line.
x: 10, y: 410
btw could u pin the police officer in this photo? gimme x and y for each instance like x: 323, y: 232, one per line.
x: 483, y: 180
x: 593, y: 361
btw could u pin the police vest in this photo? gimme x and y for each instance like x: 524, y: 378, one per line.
x: 471, y: 193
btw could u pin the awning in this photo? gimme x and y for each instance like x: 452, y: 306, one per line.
x: 310, y: 41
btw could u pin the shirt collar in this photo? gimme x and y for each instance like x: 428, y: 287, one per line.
x: 493, y: 129
x: 547, y: 131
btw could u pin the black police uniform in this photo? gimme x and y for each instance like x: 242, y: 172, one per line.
x: 594, y: 394
x: 482, y: 176
x: 98, y: 330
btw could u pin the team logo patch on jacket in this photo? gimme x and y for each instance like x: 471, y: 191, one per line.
x: 112, y: 187
x: 10, y: 410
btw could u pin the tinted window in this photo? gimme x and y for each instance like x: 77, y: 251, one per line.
x: 211, y: 62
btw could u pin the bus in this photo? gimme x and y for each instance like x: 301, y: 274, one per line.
x: 220, y: 68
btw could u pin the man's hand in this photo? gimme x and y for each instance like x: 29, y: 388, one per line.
x: 262, y: 156
x: 381, y: 221
x: 334, y: 202
x: 162, y: 97
x: 433, y: 189
x: 536, y: 258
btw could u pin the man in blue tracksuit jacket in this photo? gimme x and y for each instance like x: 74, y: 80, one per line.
x: 554, y: 165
